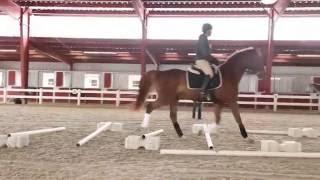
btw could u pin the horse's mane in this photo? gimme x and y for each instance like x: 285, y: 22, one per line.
x: 236, y: 53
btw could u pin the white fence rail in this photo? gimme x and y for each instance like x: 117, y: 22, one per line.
x: 312, y: 100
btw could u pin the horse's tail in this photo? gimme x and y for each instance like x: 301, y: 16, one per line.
x: 145, y: 85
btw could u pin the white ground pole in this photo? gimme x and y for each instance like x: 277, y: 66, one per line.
x: 208, y: 137
x: 94, y: 134
x: 241, y: 153
x: 41, y: 131
x: 267, y: 132
x: 146, y: 119
x: 154, y: 133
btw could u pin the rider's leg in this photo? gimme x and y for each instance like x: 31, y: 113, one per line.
x: 204, y: 90
x: 207, y: 69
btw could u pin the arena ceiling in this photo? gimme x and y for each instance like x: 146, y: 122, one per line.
x: 164, y: 51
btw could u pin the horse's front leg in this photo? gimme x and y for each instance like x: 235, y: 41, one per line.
x: 214, y: 126
x: 217, y: 113
x: 173, y: 116
x: 236, y: 114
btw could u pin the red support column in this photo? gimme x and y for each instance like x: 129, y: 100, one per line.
x: 265, y: 85
x: 24, y: 46
x: 270, y: 51
x: 143, y: 44
x: 141, y: 11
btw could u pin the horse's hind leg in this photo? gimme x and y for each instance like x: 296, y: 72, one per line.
x: 173, y: 116
x: 149, y: 108
x: 194, y: 109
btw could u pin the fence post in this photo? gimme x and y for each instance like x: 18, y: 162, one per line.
x: 118, y: 98
x: 101, y: 96
x: 313, y: 97
x: 275, y: 102
x: 255, y: 99
x: 5, y: 93
x: 40, y: 95
x: 319, y: 102
x: 78, y: 97
x: 53, y: 95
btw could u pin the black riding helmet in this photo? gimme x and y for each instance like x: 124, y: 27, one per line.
x: 206, y: 27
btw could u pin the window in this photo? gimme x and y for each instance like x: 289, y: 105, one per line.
x: 59, y: 79
x: 107, y: 80
x: 14, y: 78
x: 48, y: 80
x: 91, y: 80
x: 1, y: 79
x: 134, y: 81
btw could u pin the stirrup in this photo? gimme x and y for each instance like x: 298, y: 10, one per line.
x: 205, y: 96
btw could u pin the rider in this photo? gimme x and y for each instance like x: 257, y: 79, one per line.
x: 204, y: 58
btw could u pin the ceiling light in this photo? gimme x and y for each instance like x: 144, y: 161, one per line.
x: 100, y: 52
x: 171, y: 53
x: 269, y: 2
x: 309, y: 55
x: 191, y: 54
x: 8, y: 50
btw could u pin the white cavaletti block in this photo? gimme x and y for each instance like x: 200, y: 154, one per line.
x: 290, y: 146
x: 269, y: 146
x: 310, y: 132
x: 146, y: 119
x: 295, y: 132
x: 18, y: 141
x: 213, y: 128
x: 3, y: 140
x: 199, y: 128
x: 136, y: 142
x: 115, y: 127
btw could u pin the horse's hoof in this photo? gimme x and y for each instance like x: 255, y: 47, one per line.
x: 183, y: 137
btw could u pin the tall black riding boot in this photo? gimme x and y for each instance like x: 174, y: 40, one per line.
x: 204, y: 93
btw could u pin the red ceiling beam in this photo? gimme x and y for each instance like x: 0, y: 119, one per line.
x: 139, y: 9
x: 203, y: 4
x: 280, y: 7
x: 204, y: 13
x: 49, y: 53
x: 89, y: 4
x: 70, y: 12
x: 10, y: 8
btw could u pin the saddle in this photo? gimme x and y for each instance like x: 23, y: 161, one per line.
x: 195, y: 77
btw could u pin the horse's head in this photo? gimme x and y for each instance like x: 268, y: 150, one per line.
x: 254, y: 62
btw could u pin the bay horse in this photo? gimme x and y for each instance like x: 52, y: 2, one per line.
x: 171, y: 86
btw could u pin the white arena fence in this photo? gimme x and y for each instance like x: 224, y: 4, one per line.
x: 311, y: 101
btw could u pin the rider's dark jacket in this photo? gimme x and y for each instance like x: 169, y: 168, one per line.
x: 203, y: 50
